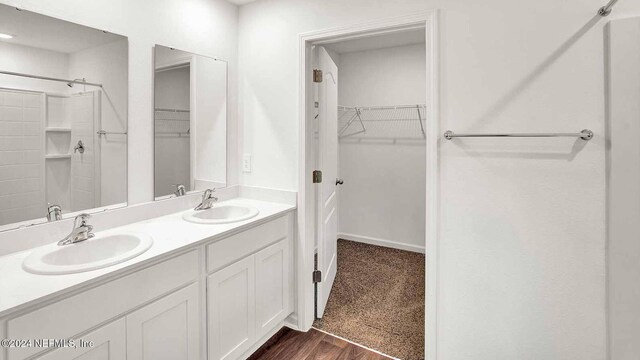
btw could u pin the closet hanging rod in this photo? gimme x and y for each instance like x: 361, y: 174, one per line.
x: 389, y: 107
x: 173, y: 110
x: 585, y: 134
x: 179, y: 133
x: 102, y: 132
x: 180, y: 120
x: 606, y: 10
x: 76, y: 81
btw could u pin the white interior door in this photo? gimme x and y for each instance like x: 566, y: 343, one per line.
x: 327, y: 162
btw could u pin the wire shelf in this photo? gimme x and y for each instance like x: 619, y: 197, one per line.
x: 172, y: 122
x: 382, y: 122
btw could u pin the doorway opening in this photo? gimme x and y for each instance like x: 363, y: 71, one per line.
x: 368, y: 188
x: 370, y: 229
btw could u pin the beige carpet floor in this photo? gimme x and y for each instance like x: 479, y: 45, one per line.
x: 377, y: 299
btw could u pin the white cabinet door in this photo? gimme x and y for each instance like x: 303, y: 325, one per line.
x: 167, y: 329
x: 108, y: 344
x: 272, y: 287
x: 231, y: 308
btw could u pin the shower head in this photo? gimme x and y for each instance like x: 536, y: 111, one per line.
x: 70, y: 85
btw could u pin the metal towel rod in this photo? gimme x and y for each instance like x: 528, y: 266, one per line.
x: 585, y: 134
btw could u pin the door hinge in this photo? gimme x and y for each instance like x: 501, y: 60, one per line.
x: 317, y: 276
x: 317, y: 176
x: 317, y: 75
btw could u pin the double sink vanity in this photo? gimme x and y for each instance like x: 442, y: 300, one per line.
x: 205, y: 284
x: 84, y: 274
x: 110, y: 248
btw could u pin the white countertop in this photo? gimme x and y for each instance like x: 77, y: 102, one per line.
x: 19, y: 288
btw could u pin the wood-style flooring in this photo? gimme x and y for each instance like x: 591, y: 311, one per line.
x: 313, y: 345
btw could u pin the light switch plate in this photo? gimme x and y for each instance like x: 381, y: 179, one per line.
x: 246, y: 163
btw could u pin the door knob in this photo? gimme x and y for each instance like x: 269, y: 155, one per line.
x: 339, y: 182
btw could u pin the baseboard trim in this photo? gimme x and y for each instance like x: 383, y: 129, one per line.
x: 258, y: 345
x: 382, y: 242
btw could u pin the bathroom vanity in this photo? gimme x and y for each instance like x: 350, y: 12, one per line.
x: 202, y: 291
x: 158, y: 279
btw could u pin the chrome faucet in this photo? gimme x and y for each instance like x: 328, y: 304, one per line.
x: 180, y: 190
x: 54, y: 212
x: 207, y: 200
x: 81, y: 231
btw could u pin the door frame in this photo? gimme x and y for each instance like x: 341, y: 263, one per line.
x: 306, y: 201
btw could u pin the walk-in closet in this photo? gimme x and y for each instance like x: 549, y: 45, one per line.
x: 377, y: 297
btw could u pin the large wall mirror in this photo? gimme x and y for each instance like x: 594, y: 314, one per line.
x: 190, y: 117
x: 63, y: 119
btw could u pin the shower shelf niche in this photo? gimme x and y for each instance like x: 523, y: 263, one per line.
x: 57, y: 151
x: 58, y: 156
x: 57, y: 129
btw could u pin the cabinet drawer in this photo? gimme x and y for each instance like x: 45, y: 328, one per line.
x: 233, y: 248
x: 75, y: 314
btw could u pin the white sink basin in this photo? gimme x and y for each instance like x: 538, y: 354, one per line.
x: 98, y: 252
x: 221, y: 214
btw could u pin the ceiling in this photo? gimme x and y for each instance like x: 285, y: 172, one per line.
x: 380, y: 41
x: 35, y: 30
x: 240, y: 2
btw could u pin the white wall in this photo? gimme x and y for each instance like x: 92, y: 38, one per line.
x: 389, y: 76
x: 382, y: 199
x: 207, y: 27
x: 522, y: 221
x: 172, y: 88
x: 30, y: 60
x: 107, y: 65
x: 624, y: 188
x: 210, y: 127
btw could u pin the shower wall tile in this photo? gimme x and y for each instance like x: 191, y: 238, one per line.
x: 10, y: 143
x: 32, y: 101
x: 32, y: 142
x: 31, y: 129
x: 13, y: 98
x: 21, y: 156
x: 32, y: 114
